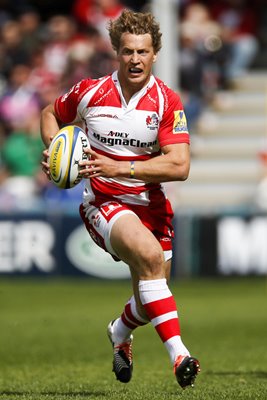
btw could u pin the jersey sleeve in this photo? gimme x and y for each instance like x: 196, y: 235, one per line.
x: 66, y: 106
x: 173, y: 126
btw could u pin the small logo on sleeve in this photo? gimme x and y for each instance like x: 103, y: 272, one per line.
x: 179, y: 124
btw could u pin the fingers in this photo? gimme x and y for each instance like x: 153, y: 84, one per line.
x: 45, y: 169
x: 91, y: 152
x: 97, y: 165
x: 44, y: 163
x: 88, y: 171
x: 85, y: 164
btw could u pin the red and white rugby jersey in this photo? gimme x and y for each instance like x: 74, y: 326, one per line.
x: 153, y: 118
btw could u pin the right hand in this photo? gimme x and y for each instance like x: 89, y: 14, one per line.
x: 45, y: 165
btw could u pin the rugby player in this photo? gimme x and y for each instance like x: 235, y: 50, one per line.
x: 139, y: 139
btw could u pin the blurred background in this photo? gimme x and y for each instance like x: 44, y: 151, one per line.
x: 215, y: 55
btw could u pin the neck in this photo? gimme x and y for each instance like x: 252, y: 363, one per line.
x: 128, y: 89
x: 128, y: 92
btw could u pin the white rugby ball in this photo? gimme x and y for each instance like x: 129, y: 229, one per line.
x: 65, y: 152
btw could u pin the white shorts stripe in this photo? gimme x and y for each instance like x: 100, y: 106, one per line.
x: 167, y: 255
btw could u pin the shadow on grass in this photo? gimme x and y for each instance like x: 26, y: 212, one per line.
x: 256, y: 374
x: 53, y: 394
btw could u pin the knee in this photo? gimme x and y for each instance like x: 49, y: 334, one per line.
x: 152, y: 264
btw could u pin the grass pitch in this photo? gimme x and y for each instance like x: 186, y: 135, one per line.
x: 53, y: 342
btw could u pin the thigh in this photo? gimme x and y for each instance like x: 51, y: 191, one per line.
x: 138, y: 247
x: 99, y: 222
x: 119, y: 231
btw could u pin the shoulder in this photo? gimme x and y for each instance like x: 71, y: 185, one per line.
x: 171, y: 97
x: 84, y: 86
x: 166, y: 89
x: 66, y: 106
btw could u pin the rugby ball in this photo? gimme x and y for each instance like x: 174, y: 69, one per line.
x: 64, y: 153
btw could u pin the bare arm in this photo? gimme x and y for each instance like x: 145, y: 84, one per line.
x: 49, y: 124
x: 173, y: 165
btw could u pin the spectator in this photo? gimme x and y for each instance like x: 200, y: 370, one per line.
x: 41, y: 80
x: 239, y: 24
x: 79, y: 58
x: 97, y: 13
x: 13, y: 52
x: 191, y: 69
x: 201, y: 58
x: 103, y: 60
x: 19, y: 100
x: 31, y: 30
x: 61, y: 33
x: 20, y: 172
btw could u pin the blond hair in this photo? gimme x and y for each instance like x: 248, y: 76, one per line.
x: 136, y: 23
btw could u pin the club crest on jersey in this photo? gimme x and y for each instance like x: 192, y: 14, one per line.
x: 152, y: 121
x: 180, y: 123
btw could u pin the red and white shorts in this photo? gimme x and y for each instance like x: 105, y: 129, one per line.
x: 99, y: 221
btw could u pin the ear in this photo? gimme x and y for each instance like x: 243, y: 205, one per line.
x: 155, y: 56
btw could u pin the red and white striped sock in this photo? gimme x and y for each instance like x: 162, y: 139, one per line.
x: 160, y: 307
x: 128, y: 321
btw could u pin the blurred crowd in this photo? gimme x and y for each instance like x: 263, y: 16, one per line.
x: 46, y: 47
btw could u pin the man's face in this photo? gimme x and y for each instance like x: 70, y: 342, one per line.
x: 136, y: 57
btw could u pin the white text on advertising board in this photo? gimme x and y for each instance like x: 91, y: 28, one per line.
x: 26, y: 244
x: 242, y: 245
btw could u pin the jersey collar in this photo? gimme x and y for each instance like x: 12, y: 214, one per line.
x: 135, y: 98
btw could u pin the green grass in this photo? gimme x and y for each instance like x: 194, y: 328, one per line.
x: 53, y: 342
